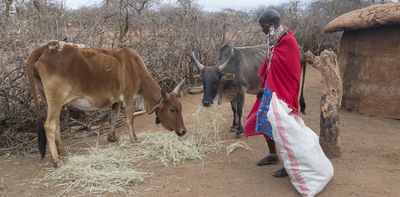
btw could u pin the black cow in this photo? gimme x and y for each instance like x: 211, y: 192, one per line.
x: 235, y: 76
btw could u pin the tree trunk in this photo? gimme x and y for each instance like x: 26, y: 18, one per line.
x: 191, y: 74
x: 327, y: 64
x: 7, y: 9
x: 329, y: 127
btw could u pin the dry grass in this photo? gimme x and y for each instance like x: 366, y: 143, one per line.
x: 167, y: 149
x: 236, y: 145
x: 100, y: 169
x: 112, y: 168
x: 163, y: 148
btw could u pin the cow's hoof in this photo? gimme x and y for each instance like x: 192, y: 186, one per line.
x: 56, y: 163
x: 135, y: 141
x: 234, y: 130
x: 239, y: 134
x: 111, y: 138
x: 63, y: 152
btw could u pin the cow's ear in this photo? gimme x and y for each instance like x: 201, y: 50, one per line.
x: 228, y: 76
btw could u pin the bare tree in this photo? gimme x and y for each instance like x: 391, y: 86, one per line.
x: 163, y: 36
x: 7, y: 4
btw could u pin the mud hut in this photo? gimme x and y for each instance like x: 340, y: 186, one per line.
x: 369, y: 59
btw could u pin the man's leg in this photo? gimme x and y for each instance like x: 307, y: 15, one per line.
x: 272, y: 150
x: 271, y: 146
x: 271, y: 158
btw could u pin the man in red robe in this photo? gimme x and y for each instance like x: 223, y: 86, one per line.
x: 280, y: 73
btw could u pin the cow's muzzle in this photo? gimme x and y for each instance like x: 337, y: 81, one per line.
x: 207, y: 103
x: 181, y: 133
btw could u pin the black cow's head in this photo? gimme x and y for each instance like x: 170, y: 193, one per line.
x: 211, y: 77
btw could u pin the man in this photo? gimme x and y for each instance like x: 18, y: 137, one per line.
x: 280, y: 73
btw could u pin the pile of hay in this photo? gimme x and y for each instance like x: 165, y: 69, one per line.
x: 100, y: 169
x: 111, y: 168
x: 167, y: 149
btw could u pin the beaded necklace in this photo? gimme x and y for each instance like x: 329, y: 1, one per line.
x: 279, y: 33
x: 273, y: 40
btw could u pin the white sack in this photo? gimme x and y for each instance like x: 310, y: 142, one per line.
x: 305, y: 162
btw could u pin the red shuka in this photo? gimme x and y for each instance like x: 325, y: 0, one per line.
x: 283, y: 78
x: 285, y: 70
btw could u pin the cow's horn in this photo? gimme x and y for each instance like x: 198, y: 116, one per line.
x: 164, y: 95
x: 222, y: 66
x: 178, y: 87
x: 196, y: 62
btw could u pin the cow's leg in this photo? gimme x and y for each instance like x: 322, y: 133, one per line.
x: 50, y: 126
x: 129, y: 119
x: 114, y: 117
x: 60, y: 146
x: 234, y: 106
x: 239, y: 111
x: 237, y: 108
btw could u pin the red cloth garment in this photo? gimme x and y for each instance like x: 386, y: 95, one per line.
x: 283, y: 78
x: 284, y: 72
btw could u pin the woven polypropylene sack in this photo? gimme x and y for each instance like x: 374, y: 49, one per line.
x: 305, y: 162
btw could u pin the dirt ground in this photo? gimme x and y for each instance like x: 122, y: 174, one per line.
x: 369, y: 165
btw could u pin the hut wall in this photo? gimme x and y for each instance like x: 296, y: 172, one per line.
x: 369, y: 63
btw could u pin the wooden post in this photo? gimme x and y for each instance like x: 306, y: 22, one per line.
x: 7, y: 7
x: 331, y: 99
x: 190, y: 70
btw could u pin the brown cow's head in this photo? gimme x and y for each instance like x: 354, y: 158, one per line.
x: 169, y: 111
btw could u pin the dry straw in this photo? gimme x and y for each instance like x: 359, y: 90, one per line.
x: 236, y: 145
x: 98, y: 170
x: 168, y: 149
x: 111, y: 168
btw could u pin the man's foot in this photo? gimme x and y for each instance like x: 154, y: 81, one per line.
x: 280, y: 173
x: 270, y: 159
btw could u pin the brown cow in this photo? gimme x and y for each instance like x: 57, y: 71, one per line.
x: 90, y: 79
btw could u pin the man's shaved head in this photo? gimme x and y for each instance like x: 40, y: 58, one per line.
x: 270, y: 16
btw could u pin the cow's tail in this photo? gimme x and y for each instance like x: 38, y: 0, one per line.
x: 32, y: 58
x: 302, y: 101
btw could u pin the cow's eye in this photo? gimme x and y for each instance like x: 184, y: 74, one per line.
x: 172, y: 110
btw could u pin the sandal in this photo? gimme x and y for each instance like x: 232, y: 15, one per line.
x: 280, y: 173
x: 270, y: 159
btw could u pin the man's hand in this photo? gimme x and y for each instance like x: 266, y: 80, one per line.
x: 260, y: 93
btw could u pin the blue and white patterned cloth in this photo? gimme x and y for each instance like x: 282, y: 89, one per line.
x: 262, y: 123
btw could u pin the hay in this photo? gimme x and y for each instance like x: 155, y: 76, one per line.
x: 163, y: 148
x: 110, y: 168
x: 237, y: 144
x: 99, y: 170
x: 167, y: 149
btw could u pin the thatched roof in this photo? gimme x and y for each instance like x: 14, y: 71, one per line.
x: 371, y: 16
